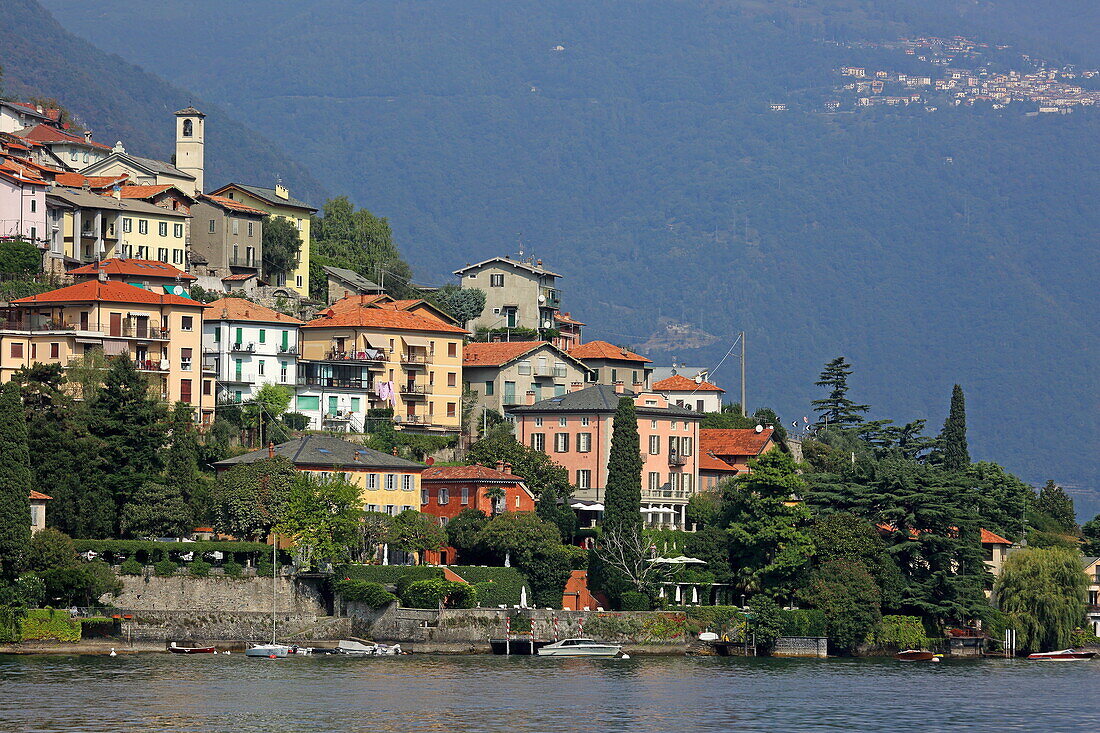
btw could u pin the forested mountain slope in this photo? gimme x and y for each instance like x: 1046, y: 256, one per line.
x: 642, y: 161
x: 119, y: 101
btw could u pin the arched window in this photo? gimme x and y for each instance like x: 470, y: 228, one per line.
x: 187, y: 125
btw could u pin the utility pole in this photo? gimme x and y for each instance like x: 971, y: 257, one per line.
x: 744, y: 410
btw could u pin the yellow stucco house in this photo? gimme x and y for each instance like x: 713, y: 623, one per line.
x: 278, y: 202
x: 386, y: 483
x: 162, y: 333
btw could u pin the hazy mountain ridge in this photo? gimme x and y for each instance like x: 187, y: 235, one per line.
x: 645, y: 167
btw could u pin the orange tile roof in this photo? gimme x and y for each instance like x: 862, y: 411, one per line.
x: 989, y: 538
x: 604, y: 350
x: 143, y: 192
x: 111, y: 291
x: 496, y: 353
x: 233, y: 205
x: 39, y: 495
x: 239, y: 309
x: 680, y: 383
x: 368, y: 317
x: 467, y: 473
x: 566, y: 318
x: 125, y: 267
x: 76, y: 180
x: 351, y: 302
x: 44, y: 133
x: 240, y: 277
x: 733, y: 441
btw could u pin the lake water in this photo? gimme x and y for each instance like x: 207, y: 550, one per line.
x: 159, y: 692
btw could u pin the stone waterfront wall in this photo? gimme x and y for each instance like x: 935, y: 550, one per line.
x: 211, y: 627
x: 801, y: 646
x: 219, y: 594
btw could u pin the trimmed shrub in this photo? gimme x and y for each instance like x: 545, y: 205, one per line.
x: 149, y: 552
x: 131, y: 567
x: 264, y: 569
x: 495, y: 586
x: 431, y: 593
x: 233, y: 569
x: 165, y: 568
x: 632, y: 600
x: 199, y: 568
x: 49, y: 623
x: 362, y: 591
x: 389, y: 574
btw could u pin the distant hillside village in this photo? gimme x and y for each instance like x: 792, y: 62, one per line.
x: 224, y: 364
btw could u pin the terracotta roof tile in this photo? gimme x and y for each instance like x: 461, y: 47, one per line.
x: 111, y: 291
x: 467, y: 473
x: 989, y: 538
x: 604, y: 350
x: 497, y: 353
x: 733, y: 441
x: 239, y: 309
x: 367, y: 316
x: 39, y: 495
x: 240, y: 277
x: 143, y: 192
x: 77, y: 180
x: 680, y: 383
x: 233, y: 205
x: 146, y: 268
x: 44, y: 133
x: 566, y: 318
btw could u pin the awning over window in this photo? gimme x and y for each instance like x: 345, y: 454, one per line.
x: 415, y: 341
x: 114, y: 348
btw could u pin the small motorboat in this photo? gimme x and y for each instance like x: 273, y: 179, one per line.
x: 176, y: 649
x: 359, y: 649
x: 917, y: 655
x: 1063, y: 655
x: 581, y: 648
x: 267, y: 651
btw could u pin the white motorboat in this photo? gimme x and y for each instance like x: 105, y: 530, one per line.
x: 581, y: 648
x: 356, y: 648
x: 277, y: 651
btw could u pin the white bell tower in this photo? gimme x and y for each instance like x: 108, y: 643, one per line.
x: 190, y: 137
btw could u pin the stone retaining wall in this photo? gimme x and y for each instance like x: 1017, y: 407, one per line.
x: 164, y: 626
x: 801, y: 646
x: 219, y: 594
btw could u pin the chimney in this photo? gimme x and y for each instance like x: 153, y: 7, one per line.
x: 282, y: 191
x: 38, y: 108
x: 88, y: 136
x: 575, y: 386
x: 395, y: 450
x: 356, y: 454
x: 530, y: 397
x: 500, y: 466
x: 270, y: 450
x: 618, y: 387
x: 507, y: 468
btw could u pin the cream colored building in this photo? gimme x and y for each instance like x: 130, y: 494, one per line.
x: 278, y: 202
x: 502, y: 373
x: 186, y: 173
x: 162, y: 333
x: 518, y: 293
x: 360, y: 354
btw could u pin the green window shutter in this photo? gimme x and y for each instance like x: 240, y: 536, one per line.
x: 217, y: 334
x: 263, y: 336
x: 240, y: 336
x: 286, y: 340
x: 332, y: 405
x: 355, y: 404
x: 309, y: 402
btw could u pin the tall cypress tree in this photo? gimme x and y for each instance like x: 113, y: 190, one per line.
x: 15, y: 483
x: 956, y: 455
x: 623, y: 496
x: 182, y: 465
x: 837, y: 410
x: 130, y: 425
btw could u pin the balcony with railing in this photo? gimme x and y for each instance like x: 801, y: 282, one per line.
x: 242, y: 348
x: 416, y: 358
x: 675, y: 458
x: 550, y: 298
x: 310, y: 380
x: 375, y: 356
x: 337, y: 416
x: 152, y: 365
x: 416, y: 390
x: 288, y: 350
x: 666, y: 492
x: 242, y: 262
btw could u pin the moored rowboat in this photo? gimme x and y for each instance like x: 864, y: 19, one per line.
x: 916, y: 655
x: 190, y: 649
x: 1063, y: 655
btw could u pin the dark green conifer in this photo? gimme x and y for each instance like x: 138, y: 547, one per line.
x: 15, y: 483
x: 956, y: 455
x: 623, y: 496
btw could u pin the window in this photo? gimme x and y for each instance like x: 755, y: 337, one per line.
x: 236, y: 226
x: 390, y: 509
x: 614, y: 375
x: 212, y: 226
x: 584, y: 442
x: 308, y: 402
x: 489, y: 387
x: 496, y: 280
x: 185, y: 359
x: 685, y: 446
x: 654, y: 480
x: 452, y: 379
x: 187, y: 323
x: 17, y: 351
x: 452, y: 409
x: 672, y: 426
x: 162, y: 254
x: 563, y: 421
x: 391, y: 482
x: 372, y: 482
x: 177, y: 256
x: 538, y: 440
x: 185, y: 390
x: 444, y: 496
x: 74, y: 155
x: 654, y: 445
x: 177, y: 231
x: 282, y: 371
x: 298, y: 281
x: 424, y: 497
x: 162, y: 228
x: 538, y: 422
x: 34, y: 205
x: 250, y: 232
x: 127, y: 224
x: 561, y: 442
x: 188, y: 127
x: 143, y: 226
x: 524, y: 368
x: 585, y: 421
x: 465, y: 495
x: 207, y: 386
x: 217, y: 334
x: 250, y: 253
x: 559, y: 390
x: 634, y: 377
x: 263, y: 335
x: 55, y: 350
x: 407, y: 483
x: 452, y: 350
x: 652, y: 424
x: 699, y: 406
x: 355, y: 404
x: 584, y: 479
x: 260, y: 367
x: 686, y: 481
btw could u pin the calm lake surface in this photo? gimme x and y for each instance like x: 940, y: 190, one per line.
x: 159, y: 692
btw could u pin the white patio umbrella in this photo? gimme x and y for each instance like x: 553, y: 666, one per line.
x: 523, y: 597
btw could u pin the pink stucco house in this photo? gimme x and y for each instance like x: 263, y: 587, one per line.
x: 574, y: 429
x: 22, y: 203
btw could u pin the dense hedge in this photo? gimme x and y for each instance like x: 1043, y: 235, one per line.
x: 432, y: 592
x: 147, y: 552
x: 632, y: 600
x: 49, y: 623
x: 495, y: 586
x: 388, y: 574
x: 803, y: 622
x: 362, y: 591
x: 729, y: 621
x: 902, y: 632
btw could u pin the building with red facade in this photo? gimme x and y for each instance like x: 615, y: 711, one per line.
x: 725, y: 453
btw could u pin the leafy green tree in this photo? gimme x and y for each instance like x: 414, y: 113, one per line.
x: 19, y: 258
x: 463, y: 532
x: 1002, y: 499
x: 1055, y: 503
x: 848, y: 596
x: 323, y: 519
x: 281, y: 244
x: 711, y: 545
x: 374, y: 530
x: 956, y: 454
x: 414, y: 533
x: 344, y: 236
x: 623, y: 496
x: 130, y: 426
x: 531, y: 545
x: 84, y: 374
x: 765, y: 620
x: 1043, y: 592
x: 15, y: 483
x: 837, y: 410
x: 1090, y: 531
x: 264, y: 413
x: 846, y: 538
x: 155, y: 510
x: 50, y: 549
x: 181, y: 469
x: 465, y: 304
x: 767, y: 530
x: 249, y: 498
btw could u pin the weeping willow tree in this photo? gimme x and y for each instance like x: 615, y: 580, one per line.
x: 1043, y: 592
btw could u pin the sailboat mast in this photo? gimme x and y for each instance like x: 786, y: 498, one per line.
x: 273, y: 570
